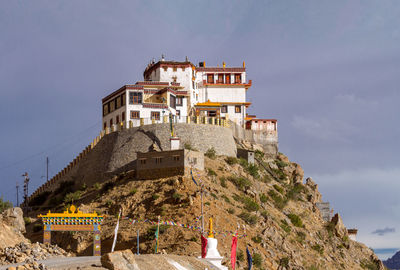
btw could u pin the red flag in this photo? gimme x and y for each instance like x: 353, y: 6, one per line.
x: 203, y: 246
x: 233, y: 252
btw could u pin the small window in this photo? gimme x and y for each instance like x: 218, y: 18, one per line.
x: 174, y: 69
x: 118, y: 102
x: 143, y: 161
x: 135, y: 114
x: 117, y: 119
x: 238, y: 109
x: 172, y: 101
x: 165, y: 68
x: 178, y: 113
x: 123, y: 116
x: 238, y: 78
x: 210, y: 78
x: 179, y: 101
x: 111, y: 122
x: 155, y: 115
x: 194, y: 161
x: 183, y: 68
x: 106, y: 109
x: 220, y: 78
x: 228, y: 78
x: 123, y: 99
x: 135, y: 97
x: 176, y: 158
x: 105, y: 125
x: 224, y: 109
x: 112, y: 106
x: 158, y: 160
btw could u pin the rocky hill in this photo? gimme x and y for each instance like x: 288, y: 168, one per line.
x: 12, y: 227
x: 393, y: 262
x: 276, y: 212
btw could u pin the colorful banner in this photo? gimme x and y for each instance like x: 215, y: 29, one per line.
x: 203, y: 246
x: 233, y: 252
x: 194, y: 227
x: 249, y: 258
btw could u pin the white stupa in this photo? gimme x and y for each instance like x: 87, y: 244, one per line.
x: 212, y: 254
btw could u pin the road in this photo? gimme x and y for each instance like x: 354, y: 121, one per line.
x: 65, y: 262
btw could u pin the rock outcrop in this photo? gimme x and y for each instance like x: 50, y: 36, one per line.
x: 12, y: 226
x: 393, y: 262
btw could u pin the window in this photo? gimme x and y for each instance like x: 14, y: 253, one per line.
x: 220, y: 78
x: 238, y: 78
x: 123, y: 99
x: 178, y: 113
x: 179, y: 101
x: 238, y: 109
x: 183, y: 68
x: 172, y: 101
x: 210, y: 78
x: 176, y: 158
x: 228, y: 78
x: 165, y: 68
x: 105, y: 125
x: 117, y: 119
x: 111, y: 122
x: 174, y: 78
x: 112, y: 106
x: 158, y: 160
x: 155, y: 115
x: 135, y: 114
x: 212, y: 113
x: 143, y: 161
x: 224, y: 109
x: 118, y: 102
x: 194, y: 161
x: 174, y: 69
x: 135, y: 97
x: 123, y: 116
x: 105, y: 109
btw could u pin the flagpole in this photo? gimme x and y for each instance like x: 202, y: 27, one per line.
x: 137, y: 246
x: 202, y: 214
x: 158, y: 230
x: 116, y: 231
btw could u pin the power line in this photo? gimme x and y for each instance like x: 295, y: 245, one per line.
x: 47, y: 149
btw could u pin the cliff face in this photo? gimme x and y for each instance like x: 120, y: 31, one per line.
x: 12, y: 226
x: 276, y: 211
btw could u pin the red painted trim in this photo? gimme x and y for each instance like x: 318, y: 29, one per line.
x: 221, y: 69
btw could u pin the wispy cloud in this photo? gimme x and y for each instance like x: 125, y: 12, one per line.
x: 382, y: 232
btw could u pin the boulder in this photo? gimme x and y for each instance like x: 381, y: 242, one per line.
x: 14, y: 217
x: 119, y: 260
x: 298, y: 173
x: 340, y: 229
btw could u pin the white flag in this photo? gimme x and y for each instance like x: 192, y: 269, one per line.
x: 116, y: 232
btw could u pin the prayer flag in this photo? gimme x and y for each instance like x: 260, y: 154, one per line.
x: 233, y: 252
x: 203, y: 246
x: 193, y: 177
x: 156, y: 234
x: 116, y: 232
x: 249, y: 258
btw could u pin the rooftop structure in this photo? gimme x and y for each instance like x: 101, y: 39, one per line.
x: 178, y: 90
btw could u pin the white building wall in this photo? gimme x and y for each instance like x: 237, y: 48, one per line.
x: 223, y: 94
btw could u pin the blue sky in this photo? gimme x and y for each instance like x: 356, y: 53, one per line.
x: 327, y: 70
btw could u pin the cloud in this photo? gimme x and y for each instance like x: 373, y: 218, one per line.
x: 384, y: 231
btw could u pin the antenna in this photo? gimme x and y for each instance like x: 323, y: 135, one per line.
x: 26, y: 183
x: 47, y: 168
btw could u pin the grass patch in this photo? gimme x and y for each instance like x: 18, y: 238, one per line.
x: 231, y: 160
x: 207, y: 203
x: 214, y: 196
x: 226, y: 198
x: 177, y: 196
x: 27, y: 220
x: 257, y: 239
x: 264, y: 214
x: 222, y: 180
x: 259, y: 154
x: 295, y: 192
x: 249, y: 203
x: 366, y: 264
x: 252, y: 169
x: 318, y: 249
x: 231, y: 211
x: 248, y: 218
x: 300, y: 237
x: 257, y: 260
x: 284, y: 262
x: 72, y: 197
x: 188, y: 146
x: 263, y: 198
x: 279, y: 189
x: 240, y: 255
x: 211, y: 153
x: 285, y: 226
x: 296, y: 220
x: 133, y: 191
x: 155, y: 197
x: 281, y: 164
x: 96, y: 186
x: 211, y: 172
x: 240, y: 182
x: 279, y: 201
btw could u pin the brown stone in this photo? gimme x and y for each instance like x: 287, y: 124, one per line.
x: 340, y: 229
x: 119, y: 260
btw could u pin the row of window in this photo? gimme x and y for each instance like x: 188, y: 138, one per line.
x: 224, y: 109
x: 224, y: 78
x: 114, y: 104
x: 159, y: 160
x: 174, y: 69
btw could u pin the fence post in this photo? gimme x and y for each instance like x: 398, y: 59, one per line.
x: 141, y: 121
x: 130, y: 124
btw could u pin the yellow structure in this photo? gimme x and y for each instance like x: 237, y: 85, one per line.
x: 210, y: 230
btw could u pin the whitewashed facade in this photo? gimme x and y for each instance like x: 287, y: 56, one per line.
x: 180, y: 89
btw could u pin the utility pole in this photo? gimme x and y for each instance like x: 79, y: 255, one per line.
x: 26, y: 183
x: 17, y: 186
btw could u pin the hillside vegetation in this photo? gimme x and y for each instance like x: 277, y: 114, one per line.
x: 269, y: 201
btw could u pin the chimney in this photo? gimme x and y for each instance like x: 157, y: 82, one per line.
x: 162, y: 58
